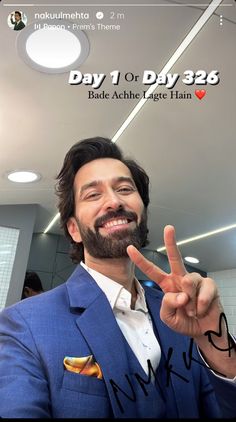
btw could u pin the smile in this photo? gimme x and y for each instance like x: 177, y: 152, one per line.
x: 116, y: 224
x: 119, y: 222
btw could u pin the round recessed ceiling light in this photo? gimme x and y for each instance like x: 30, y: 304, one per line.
x: 192, y: 260
x: 52, y: 46
x: 23, y: 176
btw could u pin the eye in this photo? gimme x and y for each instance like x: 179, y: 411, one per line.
x: 125, y: 189
x: 92, y: 195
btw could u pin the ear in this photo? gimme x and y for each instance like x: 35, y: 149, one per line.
x: 27, y: 292
x: 73, y: 229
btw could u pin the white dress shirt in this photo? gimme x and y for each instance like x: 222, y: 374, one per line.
x: 135, y: 324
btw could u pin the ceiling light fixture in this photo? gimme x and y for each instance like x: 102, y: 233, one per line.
x: 180, y: 50
x: 52, y: 46
x: 192, y: 260
x: 200, y: 236
x: 23, y: 176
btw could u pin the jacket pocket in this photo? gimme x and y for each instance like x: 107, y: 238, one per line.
x: 84, y: 384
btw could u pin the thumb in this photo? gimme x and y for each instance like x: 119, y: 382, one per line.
x: 170, y: 303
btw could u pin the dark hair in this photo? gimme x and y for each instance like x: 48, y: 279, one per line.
x: 32, y: 281
x: 82, y: 153
x: 19, y: 13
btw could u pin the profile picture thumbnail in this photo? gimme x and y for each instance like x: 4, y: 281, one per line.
x: 17, y: 20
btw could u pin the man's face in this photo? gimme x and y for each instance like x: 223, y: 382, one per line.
x: 28, y: 291
x: 17, y: 17
x: 109, y: 212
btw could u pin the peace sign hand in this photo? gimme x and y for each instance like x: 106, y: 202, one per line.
x: 191, y: 304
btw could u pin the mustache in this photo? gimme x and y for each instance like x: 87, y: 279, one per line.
x: 129, y: 215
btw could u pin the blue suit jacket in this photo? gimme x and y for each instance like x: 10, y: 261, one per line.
x: 75, y: 319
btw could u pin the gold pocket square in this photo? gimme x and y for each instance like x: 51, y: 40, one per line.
x: 85, y: 366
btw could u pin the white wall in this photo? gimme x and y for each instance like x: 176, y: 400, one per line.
x: 21, y: 217
x: 226, y: 282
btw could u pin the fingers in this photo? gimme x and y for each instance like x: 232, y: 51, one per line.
x: 147, y: 267
x: 196, y: 297
x: 175, y: 259
x: 207, y: 294
x: 201, y: 292
x: 171, y: 302
x: 190, y: 284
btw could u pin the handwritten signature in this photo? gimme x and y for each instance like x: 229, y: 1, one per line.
x: 188, y: 359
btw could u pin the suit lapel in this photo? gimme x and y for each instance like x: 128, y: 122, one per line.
x: 103, y: 335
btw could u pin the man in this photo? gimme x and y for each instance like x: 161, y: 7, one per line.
x: 18, y: 23
x: 32, y: 285
x: 98, y: 346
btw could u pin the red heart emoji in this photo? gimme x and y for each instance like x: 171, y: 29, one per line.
x: 200, y: 93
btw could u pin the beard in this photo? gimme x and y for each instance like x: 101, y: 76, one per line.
x: 114, y: 244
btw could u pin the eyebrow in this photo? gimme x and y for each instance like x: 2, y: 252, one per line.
x: 96, y: 183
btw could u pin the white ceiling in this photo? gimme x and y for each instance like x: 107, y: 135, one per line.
x: 187, y: 146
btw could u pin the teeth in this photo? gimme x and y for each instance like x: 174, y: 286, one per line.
x: 115, y: 223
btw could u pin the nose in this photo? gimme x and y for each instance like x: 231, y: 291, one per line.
x: 113, y: 201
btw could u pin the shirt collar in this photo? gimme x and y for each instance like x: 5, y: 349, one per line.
x: 116, y: 293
